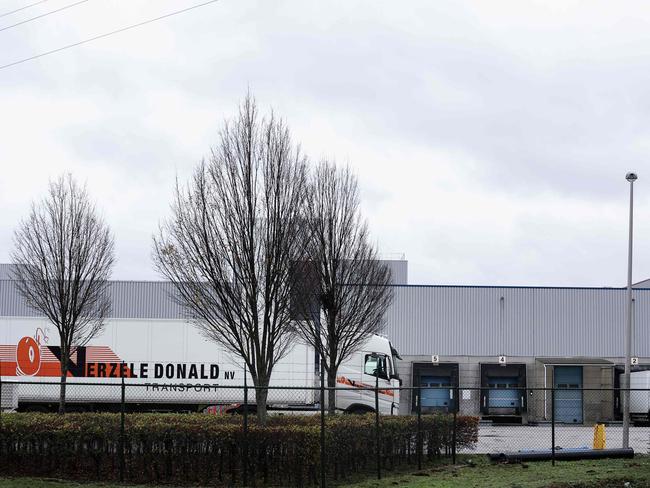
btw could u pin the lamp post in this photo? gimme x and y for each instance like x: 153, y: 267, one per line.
x: 631, y: 177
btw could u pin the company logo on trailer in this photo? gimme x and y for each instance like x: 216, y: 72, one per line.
x: 33, y: 357
x: 28, y: 354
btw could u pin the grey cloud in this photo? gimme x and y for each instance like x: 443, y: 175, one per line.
x: 559, y: 113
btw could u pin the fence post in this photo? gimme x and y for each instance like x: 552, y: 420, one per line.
x: 553, y: 426
x: 453, y: 432
x: 245, y: 440
x: 122, y: 409
x: 322, y: 423
x: 377, y: 434
x: 418, y: 404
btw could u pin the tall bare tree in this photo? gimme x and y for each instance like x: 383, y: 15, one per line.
x: 235, y: 230
x: 341, y: 275
x: 64, y: 252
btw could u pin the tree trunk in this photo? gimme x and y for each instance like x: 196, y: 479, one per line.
x: 331, y: 360
x: 261, y: 395
x: 64, y: 376
x: 331, y: 393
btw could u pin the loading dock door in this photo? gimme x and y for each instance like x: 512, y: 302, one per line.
x: 437, y: 395
x: 438, y: 382
x: 507, y: 393
x: 568, y: 397
x: 503, y: 390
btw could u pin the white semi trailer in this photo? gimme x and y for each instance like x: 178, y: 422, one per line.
x: 640, y: 397
x: 168, y: 366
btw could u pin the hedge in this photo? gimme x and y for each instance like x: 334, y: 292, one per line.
x: 208, y: 449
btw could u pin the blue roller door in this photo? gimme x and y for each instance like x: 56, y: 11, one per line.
x: 437, y: 395
x: 568, y: 396
x: 502, y: 397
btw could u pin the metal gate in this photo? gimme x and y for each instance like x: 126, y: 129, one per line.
x: 568, y: 394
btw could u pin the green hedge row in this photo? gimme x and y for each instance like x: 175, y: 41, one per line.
x: 207, y: 449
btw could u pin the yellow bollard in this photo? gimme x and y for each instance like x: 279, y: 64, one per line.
x: 599, y: 436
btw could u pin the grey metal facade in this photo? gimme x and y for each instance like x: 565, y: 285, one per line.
x: 515, y: 321
x: 5, y: 271
x: 130, y: 299
x: 451, y: 320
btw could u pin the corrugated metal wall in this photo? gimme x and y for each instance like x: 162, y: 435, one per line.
x: 477, y: 321
x: 452, y: 320
x: 5, y: 271
x: 130, y: 299
x: 11, y: 303
x: 145, y: 299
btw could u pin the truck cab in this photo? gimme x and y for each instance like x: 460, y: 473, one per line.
x: 373, y: 367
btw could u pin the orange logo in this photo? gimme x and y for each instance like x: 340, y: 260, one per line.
x: 28, y: 357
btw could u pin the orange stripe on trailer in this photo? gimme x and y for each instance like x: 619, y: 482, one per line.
x: 357, y: 384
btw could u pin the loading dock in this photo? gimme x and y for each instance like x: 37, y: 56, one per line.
x: 503, y: 391
x: 438, y: 383
x: 583, y: 389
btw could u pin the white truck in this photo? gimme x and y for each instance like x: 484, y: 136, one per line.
x: 168, y: 366
x: 640, y: 397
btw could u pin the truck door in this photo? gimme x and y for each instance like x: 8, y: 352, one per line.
x: 377, y: 370
x: 395, y: 384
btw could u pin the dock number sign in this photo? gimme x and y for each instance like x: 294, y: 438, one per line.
x: 634, y: 361
x: 435, y: 359
x: 502, y: 360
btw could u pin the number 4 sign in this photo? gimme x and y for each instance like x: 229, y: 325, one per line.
x: 502, y: 360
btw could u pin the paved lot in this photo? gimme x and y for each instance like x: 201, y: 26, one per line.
x: 506, y: 438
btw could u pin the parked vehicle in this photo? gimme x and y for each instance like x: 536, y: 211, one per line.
x: 640, y: 400
x: 167, y: 365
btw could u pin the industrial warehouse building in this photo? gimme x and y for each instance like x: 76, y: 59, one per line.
x: 549, y: 337
x: 514, y: 338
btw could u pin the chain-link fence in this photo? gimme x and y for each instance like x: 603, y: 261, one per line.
x: 438, y: 423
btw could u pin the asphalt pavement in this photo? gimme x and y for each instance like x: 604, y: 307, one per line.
x: 512, y: 438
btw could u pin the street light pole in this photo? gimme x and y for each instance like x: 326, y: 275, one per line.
x: 631, y: 177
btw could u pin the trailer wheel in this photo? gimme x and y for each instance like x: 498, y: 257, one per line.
x: 76, y: 408
x: 36, y: 409
x: 358, y: 410
x: 239, y: 410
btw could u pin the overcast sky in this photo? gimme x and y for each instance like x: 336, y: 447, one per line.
x: 491, y: 139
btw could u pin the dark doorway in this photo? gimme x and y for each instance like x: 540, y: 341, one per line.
x: 503, y: 390
x: 439, y: 384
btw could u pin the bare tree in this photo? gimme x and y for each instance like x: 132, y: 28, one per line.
x: 341, y: 276
x: 234, y: 232
x: 63, y: 254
